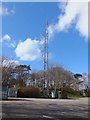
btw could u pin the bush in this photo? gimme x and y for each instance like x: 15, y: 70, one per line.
x: 88, y: 93
x: 74, y: 94
x: 28, y: 92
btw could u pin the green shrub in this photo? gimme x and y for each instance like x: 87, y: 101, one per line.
x: 88, y: 93
x: 73, y: 93
x: 29, y: 92
x: 74, y: 96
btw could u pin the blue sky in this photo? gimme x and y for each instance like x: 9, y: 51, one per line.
x: 23, y: 26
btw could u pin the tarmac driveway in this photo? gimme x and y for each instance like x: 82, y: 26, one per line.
x: 53, y: 109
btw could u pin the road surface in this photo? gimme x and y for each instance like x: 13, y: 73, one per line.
x: 52, y: 109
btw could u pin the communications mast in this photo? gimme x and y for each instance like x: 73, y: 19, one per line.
x: 46, y: 58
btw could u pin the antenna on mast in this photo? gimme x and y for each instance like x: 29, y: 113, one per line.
x: 46, y: 57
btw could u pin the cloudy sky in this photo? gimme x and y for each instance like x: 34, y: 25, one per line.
x: 23, y: 27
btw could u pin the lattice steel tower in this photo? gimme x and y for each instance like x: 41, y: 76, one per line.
x: 46, y: 57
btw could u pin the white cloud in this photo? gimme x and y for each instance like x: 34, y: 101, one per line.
x: 12, y: 11
x: 29, y: 50
x: 5, y: 38
x: 72, y: 13
x: 5, y: 11
x: 12, y: 45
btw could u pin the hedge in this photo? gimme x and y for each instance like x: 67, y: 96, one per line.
x: 28, y: 92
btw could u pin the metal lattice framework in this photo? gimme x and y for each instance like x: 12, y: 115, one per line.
x: 46, y: 57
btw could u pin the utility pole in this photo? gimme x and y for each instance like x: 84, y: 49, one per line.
x: 46, y: 84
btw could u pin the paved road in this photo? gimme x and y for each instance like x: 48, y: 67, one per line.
x: 53, y: 109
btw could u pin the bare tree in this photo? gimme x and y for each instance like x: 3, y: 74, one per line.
x: 58, y: 77
x: 38, y: 78
x: 7, y: 67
